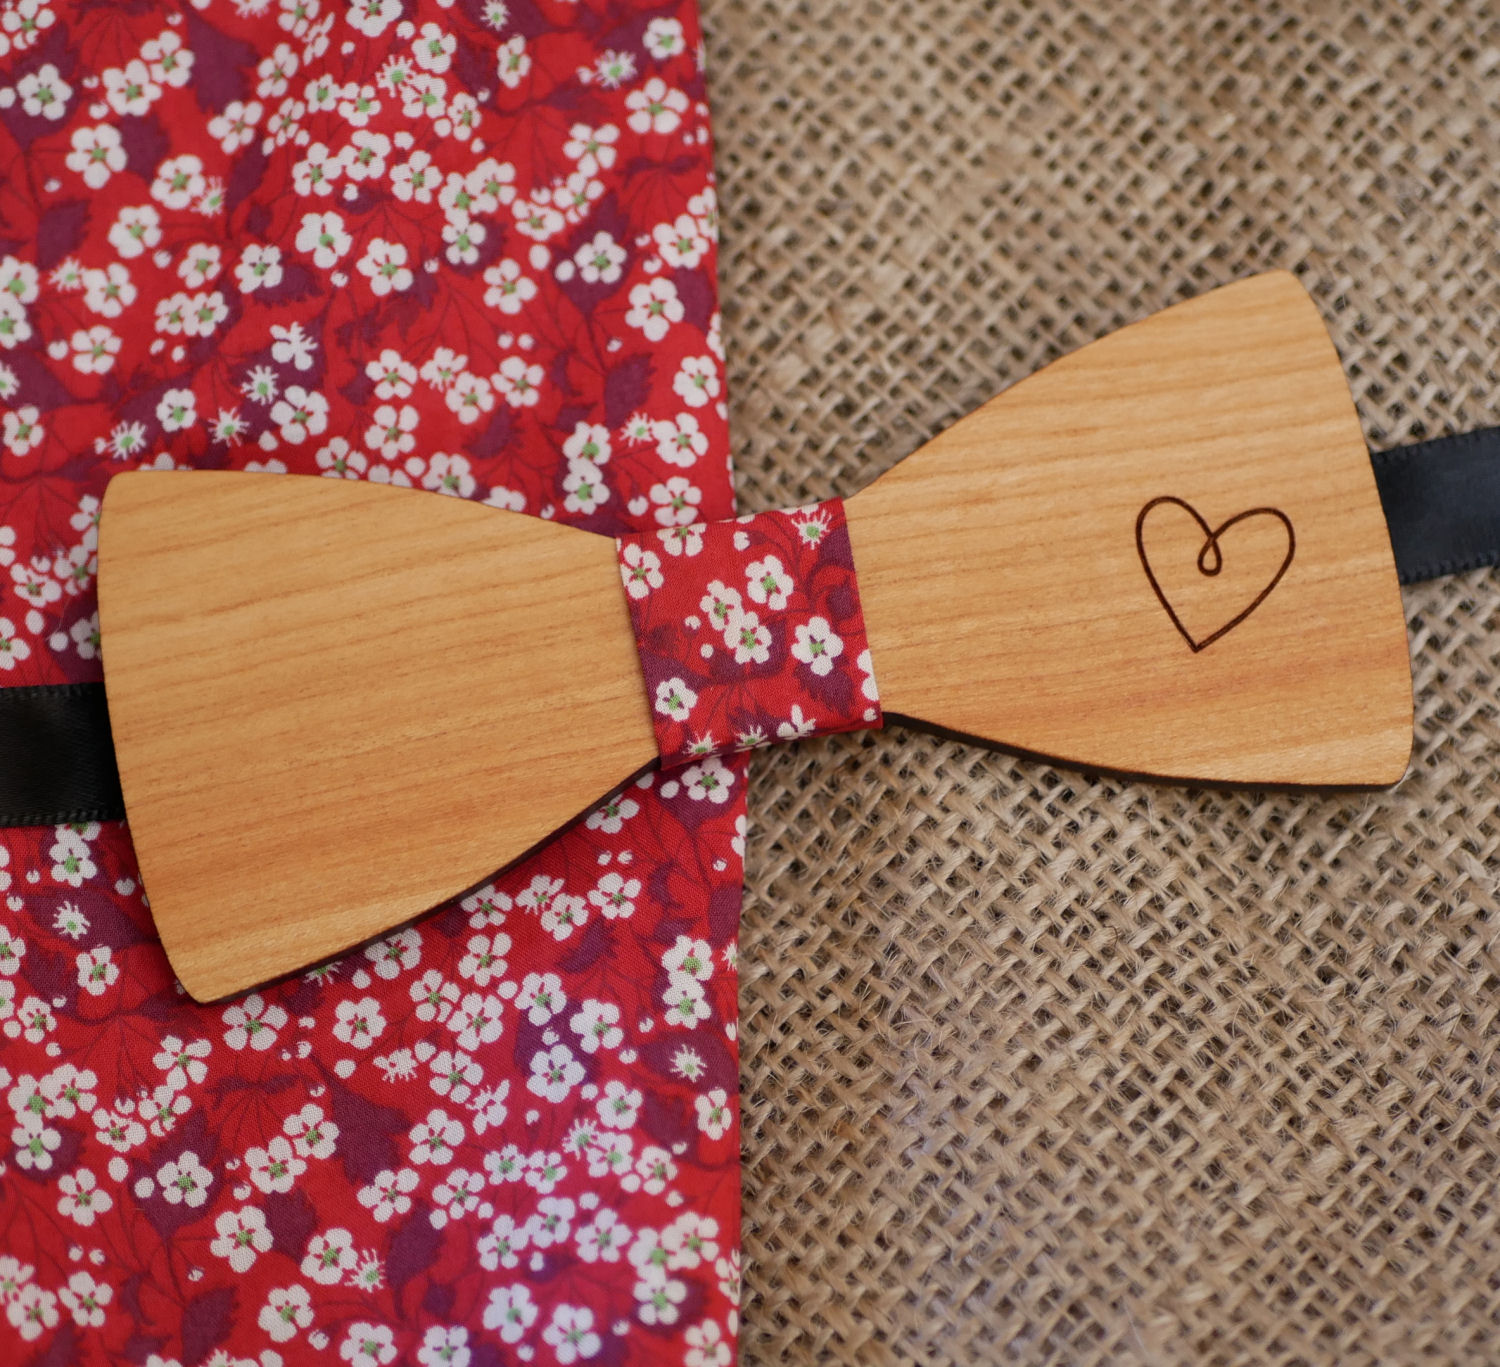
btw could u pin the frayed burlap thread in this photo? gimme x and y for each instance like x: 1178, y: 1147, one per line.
x: 1041, y: 1068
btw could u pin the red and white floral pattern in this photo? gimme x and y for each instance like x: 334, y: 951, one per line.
x: 749, y: 632
x: 463, y: 246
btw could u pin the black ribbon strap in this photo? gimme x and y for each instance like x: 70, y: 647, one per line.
x: 57, y: 759
x: 1442, y: 501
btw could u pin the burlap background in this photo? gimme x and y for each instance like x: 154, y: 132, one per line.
x: 1039, y: 1068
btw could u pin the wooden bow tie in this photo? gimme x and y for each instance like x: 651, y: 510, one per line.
x: 1163, y: 555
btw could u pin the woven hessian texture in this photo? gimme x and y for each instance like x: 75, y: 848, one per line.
x: 1039, y: 1068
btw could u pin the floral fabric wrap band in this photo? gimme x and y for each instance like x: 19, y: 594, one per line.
x: 749, y: 631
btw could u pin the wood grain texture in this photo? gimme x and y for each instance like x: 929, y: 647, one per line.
x: 1007, y: 599
x: 336, y: 705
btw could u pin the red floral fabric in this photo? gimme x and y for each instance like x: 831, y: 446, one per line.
x: 468, y: 247
x: 749, y: 632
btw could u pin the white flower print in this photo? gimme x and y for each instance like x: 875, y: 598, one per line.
x: 35, y: 1144
x: 449, y: 475
x: 713, y: 1113
x: 200, y: 265
x: 690, y: 1241
x: 364, y: 158
x: 866, y: 666
x: 612, y: 816
x: 253, y: 1023
x: 414, y: 179
x: 12, y: 649
x: 654, y: 307
x: 293, y: 346
x: 86, y: 1298
x: 287, y: 1310
x: 768, y: 582
x: 817, y: 645
x: 659, y: 1298
x: 519, y: 385
x: 323, y: 235
x: 584, y: 487
x: 552, y: 1223
x: 615, y: 895
x: 234, y: 126
x: 444, y: 1347
x: 750, y: 641
x: 393, y: 375
x: 664, y: 38
x: 184, y: 1180
x: 14, y: 328
x: 22, y: 429
x: 311, y: 1134
x: 592, y: 148
x: 697, y: 381
x: 797, y: 725
x: 597, y: 1025
x: 179, y: 181
x: 359, y: 1023
x: 299, y: 413
x: 461, y: 1192
x: 71, y: 859
x: 258, y: 267
x: 502, y: 1246
x: 541, y: 997
x: 572, y: 1335
x: 513, y: 62
x: 485, y: 959
x: 129, y: 90
x: 242, y: 1237
x: 689, y: 957
x: 118, y: 1129
x: 599, y: 260
x: 83, y: 1200
x: 169, y: 62
x: 435, y: 997
x: 97, y: 154
x: 396, y: 953
x: 389, y: 1193
x: 12, y: 946
x: 275, y: 1167
x: 675, y: 699
x: 537, y: 219
x: 94, y: 349
x: 392, y: 434
x: 44, y: 94
x: 681, y: 541
x: 554, y: 1073
x: 455, y: 1075
x: 676, y: 502
x: 619, y: 1106
x: 707, y: 1347
x: 681, y: 441
x: 685, y: 1003
x: 680, y: 243
x: 589, y: 441
x: 433, y: 1140
x: 384, y: 265
x: 509, y: 290
x: 655, y: 108
x: 510, y: 1312
x: 182, y: 1062
x: 32, y: 1309
x: 464, y: 241
x: 329, y: 1256
x: 640, y: 570
x: 476, y: 1020
x: 709, y: 780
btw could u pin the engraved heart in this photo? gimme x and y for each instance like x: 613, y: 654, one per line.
x: 1207, y: 584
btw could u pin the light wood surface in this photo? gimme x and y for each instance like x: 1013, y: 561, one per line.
x: 336, y: 705
x: 1007, y: 599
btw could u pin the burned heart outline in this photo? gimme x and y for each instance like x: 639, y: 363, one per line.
x: 1211, y: 546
